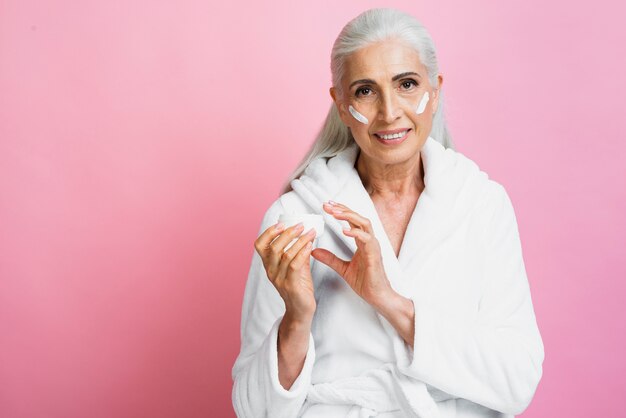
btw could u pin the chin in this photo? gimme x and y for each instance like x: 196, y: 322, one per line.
x: 395, y: 155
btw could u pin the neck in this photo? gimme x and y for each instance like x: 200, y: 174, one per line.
x: 391, y: 180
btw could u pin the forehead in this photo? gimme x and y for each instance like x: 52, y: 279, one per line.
x: 382, y: 60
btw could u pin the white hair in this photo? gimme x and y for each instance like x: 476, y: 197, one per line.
x: 372, y: 26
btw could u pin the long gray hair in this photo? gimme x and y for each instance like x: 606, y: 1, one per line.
x: 372, y: 26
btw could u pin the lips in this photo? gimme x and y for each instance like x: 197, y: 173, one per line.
x: 392, y: 134
x: 392, y: 140
x: 394, y: 131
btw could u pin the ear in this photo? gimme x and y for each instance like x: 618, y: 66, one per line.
x: 341, y: 106
x: 437, y: 93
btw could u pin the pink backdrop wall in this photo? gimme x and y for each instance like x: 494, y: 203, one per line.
x: 141, y: 143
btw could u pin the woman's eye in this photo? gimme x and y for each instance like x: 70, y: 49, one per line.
x: 407, y: 84
x: 363, y: 91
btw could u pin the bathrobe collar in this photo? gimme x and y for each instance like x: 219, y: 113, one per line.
x: 450, y: 180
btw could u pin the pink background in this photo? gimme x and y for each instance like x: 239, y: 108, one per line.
x: 141, y: 142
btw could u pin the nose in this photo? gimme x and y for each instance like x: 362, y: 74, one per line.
x: 389, y: 108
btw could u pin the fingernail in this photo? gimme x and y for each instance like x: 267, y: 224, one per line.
x: 310, y: 231
x: 298, y: 225
x: 332, y: 202
x: 279, y: 226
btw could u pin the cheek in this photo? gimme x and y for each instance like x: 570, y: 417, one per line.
x: 421, y: 107
x: 359, y: 117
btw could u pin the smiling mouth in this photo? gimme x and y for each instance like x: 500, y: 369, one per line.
x: 396, y: 135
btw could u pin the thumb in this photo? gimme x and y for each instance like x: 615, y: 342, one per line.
x: 331, y: 260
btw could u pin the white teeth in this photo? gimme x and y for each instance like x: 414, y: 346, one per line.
x: 394, y: 136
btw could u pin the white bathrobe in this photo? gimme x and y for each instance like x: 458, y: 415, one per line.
x: 477, y: 348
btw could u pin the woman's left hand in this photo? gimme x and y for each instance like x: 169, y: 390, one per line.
x: 365, y: 272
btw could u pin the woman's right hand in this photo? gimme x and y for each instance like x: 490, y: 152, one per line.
x: 289, y: 271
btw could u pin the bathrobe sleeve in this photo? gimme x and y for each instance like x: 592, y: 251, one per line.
x: 257, y: 391
x: 495, y: 359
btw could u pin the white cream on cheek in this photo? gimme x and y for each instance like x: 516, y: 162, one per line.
x: 422, y: 106
x: 358, y: 116
x: 420, y: 109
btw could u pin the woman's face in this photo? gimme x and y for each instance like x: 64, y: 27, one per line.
x: 384, y: 87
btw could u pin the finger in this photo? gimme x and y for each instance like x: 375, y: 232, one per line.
x: 262, y: 242
x: 331, y: 260
x: 354, y: 219
x: 277, y: 247
x: 302, y: 257
x: 286, y: 237
x: 336, y: 205
x: 363, y: 239
x: 341, y: 208
x: 332, y: 210
x: 288, y: 255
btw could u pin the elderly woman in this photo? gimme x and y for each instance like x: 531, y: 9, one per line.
x: 415, y: 302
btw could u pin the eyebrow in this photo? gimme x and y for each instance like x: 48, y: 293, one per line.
x: 394, y: 78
